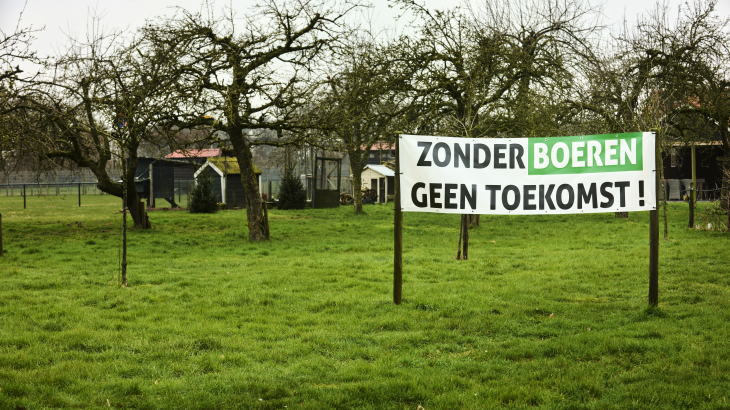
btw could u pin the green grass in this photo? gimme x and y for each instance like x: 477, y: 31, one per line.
x: 549, y: 312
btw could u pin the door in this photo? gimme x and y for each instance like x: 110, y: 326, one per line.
x: 381, y: 191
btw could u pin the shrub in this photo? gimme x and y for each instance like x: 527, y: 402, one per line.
x: 202, y: 197
x: 292, y: 194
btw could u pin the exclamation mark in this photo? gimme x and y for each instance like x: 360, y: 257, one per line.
x: 641, y: 193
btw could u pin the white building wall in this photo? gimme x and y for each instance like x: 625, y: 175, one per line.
x: 369, y: 174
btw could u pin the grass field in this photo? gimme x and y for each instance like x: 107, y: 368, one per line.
x: 549, y: 312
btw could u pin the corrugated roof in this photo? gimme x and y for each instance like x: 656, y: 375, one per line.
x: 382, y: 170
x: 196, y: 153
x: 229, y: 165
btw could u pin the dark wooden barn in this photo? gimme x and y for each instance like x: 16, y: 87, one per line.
x: 709, y: 157
x: 162, y: 183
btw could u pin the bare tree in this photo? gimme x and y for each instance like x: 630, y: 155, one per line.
x: 363, y: 104
x: 495, y: 69
x: 97, y: 103
x: 652, y: 75
x: 15, y: 84
x: 250, y: 73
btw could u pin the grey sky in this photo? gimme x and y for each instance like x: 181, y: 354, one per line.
x: 69, y: 17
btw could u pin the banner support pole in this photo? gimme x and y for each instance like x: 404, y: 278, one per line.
x: 398, y: 231
x: 692, y: 192
x: 654, y: 229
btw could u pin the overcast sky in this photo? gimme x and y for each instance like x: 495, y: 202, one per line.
x: 69, y: 17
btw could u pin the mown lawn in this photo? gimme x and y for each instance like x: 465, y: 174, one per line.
x: 549, y: 312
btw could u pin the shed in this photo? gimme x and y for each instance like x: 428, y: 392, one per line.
x: 379, y: 178
x: 162, y: 182
x: 226, y: 176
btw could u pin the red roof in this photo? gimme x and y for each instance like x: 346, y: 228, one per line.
x: 379, y: 145
x: 196, y: 153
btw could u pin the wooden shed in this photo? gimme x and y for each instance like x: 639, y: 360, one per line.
x: 226, y: 176
x: 381, y: 179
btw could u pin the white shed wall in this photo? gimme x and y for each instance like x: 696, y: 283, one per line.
x: 369, y: 174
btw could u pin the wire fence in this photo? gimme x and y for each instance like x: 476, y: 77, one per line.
x: 181, y: 191
x: 76, y: 189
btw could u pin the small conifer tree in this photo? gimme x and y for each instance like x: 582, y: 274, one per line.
x: 202, y: 197
x: 292, y: 194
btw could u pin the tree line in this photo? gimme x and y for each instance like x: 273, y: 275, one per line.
x: 304, y: 72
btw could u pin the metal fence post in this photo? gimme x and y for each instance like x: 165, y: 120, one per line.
x: 79, y: 194
x: 24, y: 196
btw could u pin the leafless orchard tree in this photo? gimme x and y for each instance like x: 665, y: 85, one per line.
x: 495, y: 68
x: 98, y: 102
x: 652, y: 76
x: 363, y: 104
x: 253, y: 72
x: 15, y: 85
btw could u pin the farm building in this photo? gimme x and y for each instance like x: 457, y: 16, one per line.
x: 168, y: 177
x: 709, y: 156
x: 197, y: 156
x: 380, y: 152
x: 381, y: 179
x: 226, y: 176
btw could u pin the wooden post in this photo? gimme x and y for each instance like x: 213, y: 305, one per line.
x: 654, y: 231
x: 693, y: 194
x: 124, y: 226
x: 314, y: 179
x: 398, y: 232
x: 152, y: 191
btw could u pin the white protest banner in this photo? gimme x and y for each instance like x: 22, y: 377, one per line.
x: 528, y: 176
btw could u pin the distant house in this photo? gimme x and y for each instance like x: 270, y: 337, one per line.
x: 226, y: 176
x: 195, y: 155
x: 381, y: 179
x: 380, y: 152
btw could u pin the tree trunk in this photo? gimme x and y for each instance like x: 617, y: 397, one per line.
x: 465, y: 248
x: 267, y: 233
x: 461, y: 234
x: 356, y: 188
x: 356, y: 167
x: 257, y: 219
x: 463, y: 252
x: 108, y: 186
